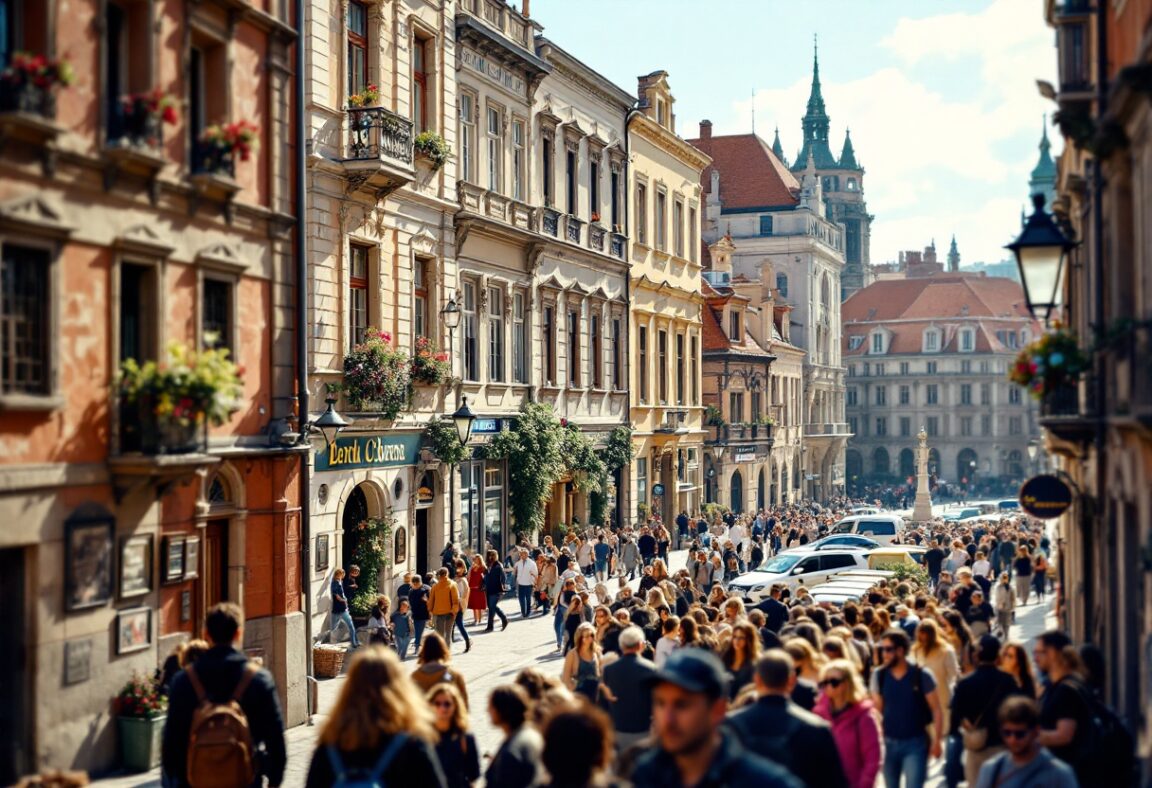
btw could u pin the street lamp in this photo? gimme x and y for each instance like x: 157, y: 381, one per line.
x: 463, y: 419
x: 328, y: 424
x: 450, y: 314
x: 1041, y: 252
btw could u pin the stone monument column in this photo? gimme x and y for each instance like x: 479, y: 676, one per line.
x: 922, y: 510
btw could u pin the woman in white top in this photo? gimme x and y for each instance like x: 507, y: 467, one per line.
x: 981, y: 567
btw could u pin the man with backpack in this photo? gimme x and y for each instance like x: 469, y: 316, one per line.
x: 905, y: 694
x: 224, y: 725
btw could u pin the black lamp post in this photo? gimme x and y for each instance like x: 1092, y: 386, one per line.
x: 1041, y: 253
x: 328, y: 424
x: 463, y: 419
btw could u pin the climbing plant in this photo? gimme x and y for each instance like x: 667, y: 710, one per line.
x: 534, y: 451
x: 373, y: 543
x: 444, y: 442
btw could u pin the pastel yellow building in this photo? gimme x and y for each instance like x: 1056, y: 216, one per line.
x: 664, y: 226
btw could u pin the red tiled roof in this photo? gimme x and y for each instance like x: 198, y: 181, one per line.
x: 750, y: 174
x: 905, y: 308
x: 715, y: 338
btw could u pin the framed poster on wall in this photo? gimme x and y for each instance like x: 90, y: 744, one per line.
x: 191, y: 557
x: 135, y: 566
x: 322, y: 552
x: 133, y: 630
x: 88, y: 556
x: 173, y: 559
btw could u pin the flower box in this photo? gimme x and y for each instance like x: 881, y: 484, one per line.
x: 377, y: 376
x: 29, y: 84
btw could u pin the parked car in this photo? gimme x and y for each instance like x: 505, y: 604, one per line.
x: 848, y: 586
x: 797, y: 567
x: 844, y: 541
x: 864, y: 510
x: 1008, y: 505
x: 883, y: 528
x: 962, y: 514
x: 896, y: 555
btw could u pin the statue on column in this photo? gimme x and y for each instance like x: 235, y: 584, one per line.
x: 922, y: 510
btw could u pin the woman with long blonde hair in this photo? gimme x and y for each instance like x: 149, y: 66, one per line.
x: 931, y: 650
x: 380, y: 726
x: 855, y: 722
x: 582, y: 668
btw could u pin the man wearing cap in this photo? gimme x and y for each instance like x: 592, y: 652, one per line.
x: 629, y: 689
x: 689, y: 699
x: 779, y: 730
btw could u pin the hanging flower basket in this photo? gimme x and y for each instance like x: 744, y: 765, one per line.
x: 430, y: 365
x: 1052, y: 363
x: 175, y: 399
x: 144, y: 116
x: 377, y: 376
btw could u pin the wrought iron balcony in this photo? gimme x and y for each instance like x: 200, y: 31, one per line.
x: 618, y: 244
x: 550, y: 222
x: 596, y: 235
x: 377, y: 133
x: 572, y: 227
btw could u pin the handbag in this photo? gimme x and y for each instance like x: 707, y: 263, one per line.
x: 976, y: 737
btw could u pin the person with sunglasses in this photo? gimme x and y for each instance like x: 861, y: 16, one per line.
x: 456, y: 748
x: 1026, y: 764
x: 777, y: 729
x: 905, y: 695
x: 844, y: 702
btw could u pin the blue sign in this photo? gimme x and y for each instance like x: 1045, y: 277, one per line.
x: 486, y: 426
x: 369, y: 451
x: 657, y: 489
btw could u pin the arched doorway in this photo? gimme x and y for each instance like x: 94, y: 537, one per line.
x: 760, y: 491
x: 966, y: 465
x: 880, y: 462
x: 934, y: 463
x: 737, y: 502
x: 853, y: 465
x: 355, y: 512
x: 907, y: 464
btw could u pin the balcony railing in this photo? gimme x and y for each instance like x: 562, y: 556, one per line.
x: 739, y: 433
x: 674, y: 421
x: 377, y: 133
x: 550, y: 222
x: 211, y: 159
x: 596, y: 237
x: 618, y: 245
x: 572, y: 227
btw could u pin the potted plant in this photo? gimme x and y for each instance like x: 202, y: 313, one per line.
x: 140, y: 713
x: 144, y: 116
x: 595, y: 216
x: 378, y: 375
x: 432, y: 147
x: 222, y: 144
x: 29, y: 83
x: 713, y: 417
x: 174, y: 399
x: 430, y: 365
x: 1049, y: 369
x: 367, y: 97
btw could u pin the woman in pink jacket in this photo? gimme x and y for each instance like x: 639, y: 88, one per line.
x: 855, y: 722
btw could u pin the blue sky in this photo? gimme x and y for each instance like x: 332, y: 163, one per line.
x: 940, y: 95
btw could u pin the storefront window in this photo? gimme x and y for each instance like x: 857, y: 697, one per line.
x: 493, y: 506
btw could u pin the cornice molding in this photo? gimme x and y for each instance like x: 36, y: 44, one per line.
x: 668, y: 142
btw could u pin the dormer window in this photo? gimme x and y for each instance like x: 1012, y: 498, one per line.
x: 877, y: 343
x: 854, y: 343
x: 967, y: 340
x: 734, y: 326
x: 931, y: 341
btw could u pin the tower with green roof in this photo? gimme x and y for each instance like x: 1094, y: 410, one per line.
x: 842, y: 181
x: 1043, y: 180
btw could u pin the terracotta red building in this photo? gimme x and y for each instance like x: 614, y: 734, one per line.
x: 121, y: 233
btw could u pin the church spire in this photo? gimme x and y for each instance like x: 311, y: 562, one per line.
x: 953, y: 257
x: 1043, y: 180
x: 848, y: 153
x: 777, y: 148
x: 815, y: 124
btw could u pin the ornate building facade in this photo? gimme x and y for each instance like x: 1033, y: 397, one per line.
x: 933, y: 351
x: 784, y: 238
x: 664, y: 214
x: 121, y: 234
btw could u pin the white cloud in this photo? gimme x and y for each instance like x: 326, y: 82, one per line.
x: 935, y: 164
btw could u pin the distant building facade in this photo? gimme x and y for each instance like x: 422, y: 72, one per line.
x: 933, y: 352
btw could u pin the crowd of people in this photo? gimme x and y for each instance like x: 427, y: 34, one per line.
x: 679, y: 682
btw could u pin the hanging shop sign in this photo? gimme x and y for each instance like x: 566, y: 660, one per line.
x: 745, y: 456
x: 657, y: 489
x: 369, y: 451
x: 1045, y: 496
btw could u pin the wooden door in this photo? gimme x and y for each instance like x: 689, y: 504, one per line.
x: 214, y: 577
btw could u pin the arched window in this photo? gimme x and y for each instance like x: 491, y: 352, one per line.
x: 880, y: 462
x: 967, y: 464
x: 737, y: 503
x: 782, y: 284
x: 826, y: 291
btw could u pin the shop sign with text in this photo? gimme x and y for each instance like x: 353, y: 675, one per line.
x: 369, y: 451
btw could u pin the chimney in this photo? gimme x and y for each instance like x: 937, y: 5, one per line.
x: 705, y: 129
x: 525, y: 12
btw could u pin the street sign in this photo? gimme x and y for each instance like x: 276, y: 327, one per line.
x: 1045, y: 496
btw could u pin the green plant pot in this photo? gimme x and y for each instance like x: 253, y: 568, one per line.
x: 140, y: 742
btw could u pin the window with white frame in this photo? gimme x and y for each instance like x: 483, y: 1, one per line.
x: 518, y: 160
x: 967, y: 340
x: 471, y: 333
x: 495, y: 334
x: 931, y: 341
x: 678, y: 228
x: 519, y: 340
x: 357, y: 293
x: 495, y: 148
x: 467, y: 136
x: 877, y: 342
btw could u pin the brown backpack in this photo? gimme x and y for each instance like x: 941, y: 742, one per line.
x: 220, y: 749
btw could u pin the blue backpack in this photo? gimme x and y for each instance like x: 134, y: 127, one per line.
x: 358, y: 778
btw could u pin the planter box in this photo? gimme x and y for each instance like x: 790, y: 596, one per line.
x: 140, y: 739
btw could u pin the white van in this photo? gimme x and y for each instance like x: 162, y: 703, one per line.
x: 884, y: 528
x: 795, y: 568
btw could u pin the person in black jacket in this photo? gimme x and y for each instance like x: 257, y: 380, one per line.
x: 494, y: 584
x: 380, y: 730
x: 976, y: 702
x: 777, y: 729
x: 517, y: 762
x: 220, y: 671
x: 629, y: 690
x: 459, y: 756
x: 775, y: 612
